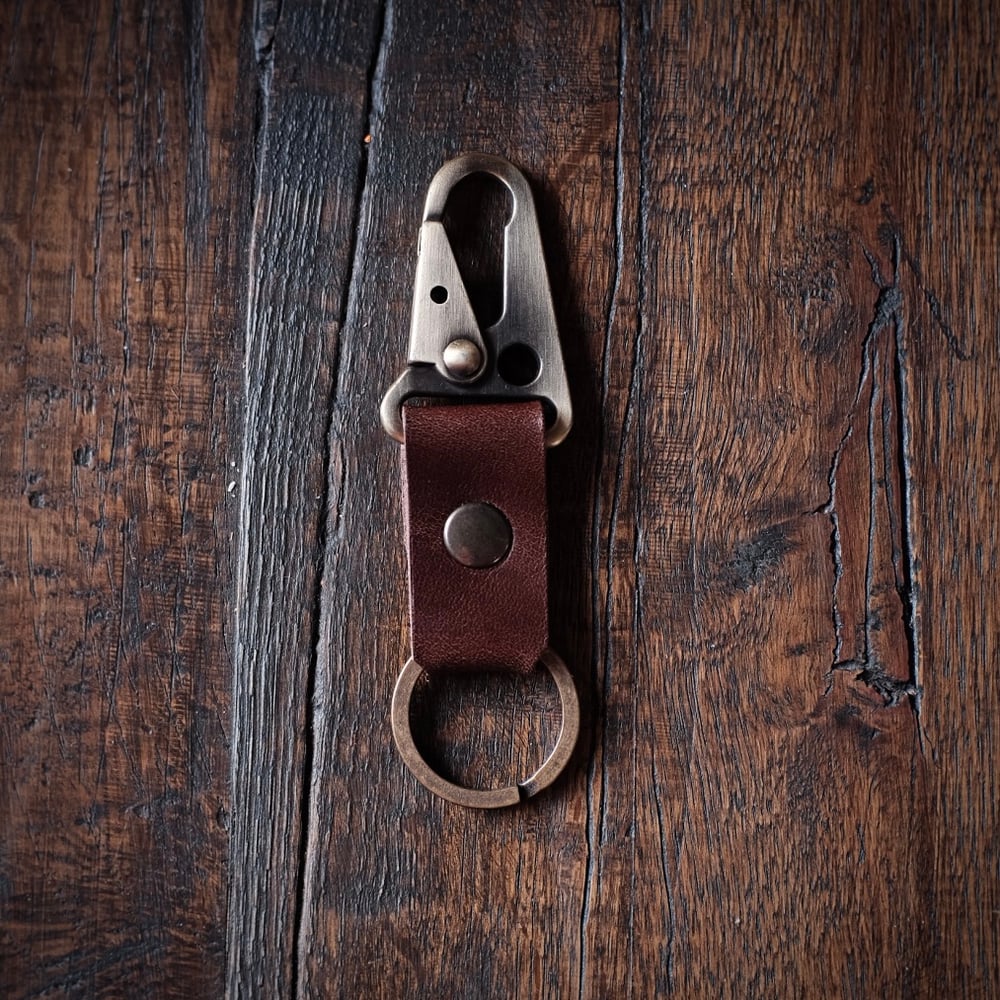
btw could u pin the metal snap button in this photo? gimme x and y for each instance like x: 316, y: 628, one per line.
x: 477, y: 535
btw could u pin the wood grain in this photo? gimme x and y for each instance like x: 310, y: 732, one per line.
x: 744, y: 596
x: 309, y: 155
x: 772, y: 241
x: 122, y: 218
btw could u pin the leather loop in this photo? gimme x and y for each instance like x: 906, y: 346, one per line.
x: 464, y: 618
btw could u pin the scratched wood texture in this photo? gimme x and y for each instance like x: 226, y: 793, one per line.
x: 124, y: 216
x: 772, y: 240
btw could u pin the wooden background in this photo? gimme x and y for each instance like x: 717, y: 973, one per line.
x: 772, y: 240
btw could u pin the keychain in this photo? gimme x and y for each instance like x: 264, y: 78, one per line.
x: 486, y: 404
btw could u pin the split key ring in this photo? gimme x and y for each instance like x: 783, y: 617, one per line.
x: 487, y: 798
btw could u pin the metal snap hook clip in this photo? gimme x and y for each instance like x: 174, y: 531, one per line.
x: 474, y: 474
x: 518, y: 357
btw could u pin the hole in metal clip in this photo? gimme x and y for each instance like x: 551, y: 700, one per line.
x: 518, y: 364
x: 439, y: 294
x: 484, y: 729
x: 478, y: 208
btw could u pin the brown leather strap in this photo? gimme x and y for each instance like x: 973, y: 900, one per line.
x: 476, y: 619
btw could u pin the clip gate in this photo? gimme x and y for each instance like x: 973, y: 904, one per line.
x: 448, y: 354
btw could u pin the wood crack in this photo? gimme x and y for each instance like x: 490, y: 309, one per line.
x: 887, y: 403
x: 329, y: 521
x: 929, y: 294
x: 266, y: 15
x: 603, y: 642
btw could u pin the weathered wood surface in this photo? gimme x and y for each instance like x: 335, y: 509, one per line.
x: 124, y: 210
x: 772, y: 239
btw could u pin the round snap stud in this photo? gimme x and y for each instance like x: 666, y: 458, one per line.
x: 477, y: 535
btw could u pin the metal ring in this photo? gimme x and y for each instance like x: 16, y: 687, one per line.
x: 487, y: 798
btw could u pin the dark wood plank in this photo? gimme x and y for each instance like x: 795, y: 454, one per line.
x: 819, y: 754
x: 122, y: 222
x: 797, y: 769
x: 312, y: 92
x: 404, y: 893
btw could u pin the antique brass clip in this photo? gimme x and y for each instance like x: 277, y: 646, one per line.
x: 519, y: 356
x: 474, y: 481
